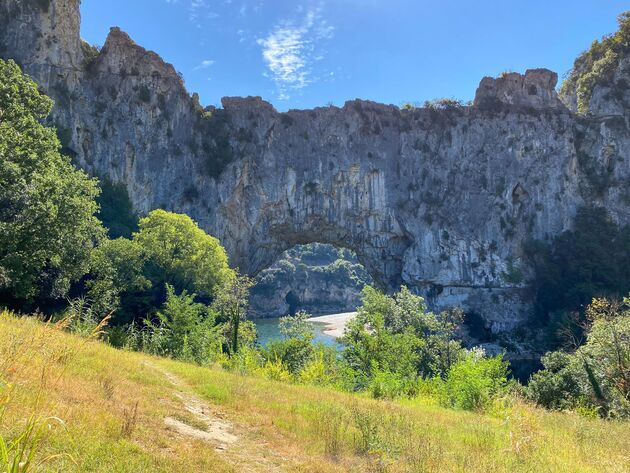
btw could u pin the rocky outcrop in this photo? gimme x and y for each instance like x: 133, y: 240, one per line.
x: 535, y: 89
x: 440, y: 200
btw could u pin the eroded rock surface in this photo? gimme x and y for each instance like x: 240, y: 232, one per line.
x: 440, y: 200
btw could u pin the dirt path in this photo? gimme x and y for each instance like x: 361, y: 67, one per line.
x: 236, y: 443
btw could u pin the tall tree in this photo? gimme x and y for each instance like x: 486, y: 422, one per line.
x: 48, y: 226
x: 231, y: 302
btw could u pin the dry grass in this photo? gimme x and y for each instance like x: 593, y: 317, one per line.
x: 113, y: 404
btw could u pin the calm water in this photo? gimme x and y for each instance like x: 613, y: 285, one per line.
x: 268, y: 329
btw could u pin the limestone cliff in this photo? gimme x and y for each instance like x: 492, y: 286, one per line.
x: 439, y: 199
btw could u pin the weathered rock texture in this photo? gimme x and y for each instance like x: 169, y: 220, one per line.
x: 439, y: 199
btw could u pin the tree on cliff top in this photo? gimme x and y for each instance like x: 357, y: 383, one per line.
x: 598, y: 64
x: 48, y: 226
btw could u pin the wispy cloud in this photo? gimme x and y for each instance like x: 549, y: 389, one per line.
x: 205, y: 64
x: 291, y: 49
x: 198, y: 10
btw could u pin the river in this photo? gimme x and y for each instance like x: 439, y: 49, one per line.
x: 327, y: 328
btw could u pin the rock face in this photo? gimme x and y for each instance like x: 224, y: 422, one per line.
x: 439, y: 199
x: 536, y: 89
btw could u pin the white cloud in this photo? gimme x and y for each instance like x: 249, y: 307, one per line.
x: 196, y: 9
x: 205, y: 64
x: 291, y: 49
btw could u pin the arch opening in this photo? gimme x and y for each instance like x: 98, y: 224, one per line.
x: 318, y: 278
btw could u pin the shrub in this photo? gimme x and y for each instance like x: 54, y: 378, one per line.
x: 597, y: 65
x: 293, y: 353
x: 475, y: 381
x: 322, y: 368
x: 296, y: 349
x: 387, y: 385
x: 275, y: 370
x: 595, y: 376
x: 184, y: 330
x: 444, y: 104
x: 556, y: 386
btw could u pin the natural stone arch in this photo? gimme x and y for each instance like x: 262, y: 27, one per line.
x: 440, y: 198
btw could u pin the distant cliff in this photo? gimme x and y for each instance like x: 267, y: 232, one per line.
x: 441, y: 198
x: 316, y: 278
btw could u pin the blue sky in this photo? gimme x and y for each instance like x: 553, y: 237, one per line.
x: 307, y: 53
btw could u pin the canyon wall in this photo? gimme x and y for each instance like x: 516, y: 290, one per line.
x: 440, y: 198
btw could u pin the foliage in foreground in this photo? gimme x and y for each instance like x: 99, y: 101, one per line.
x: 394, y: 348
x: 48, y: 226
x: 595, y: 378
x: 94, y: 389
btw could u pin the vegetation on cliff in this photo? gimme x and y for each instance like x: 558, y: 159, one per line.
x: 597, y: 65
x: 591, y: 260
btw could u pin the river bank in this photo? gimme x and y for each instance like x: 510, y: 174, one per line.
x: 335, y: 324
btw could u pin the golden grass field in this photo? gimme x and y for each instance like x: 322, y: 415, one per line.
x: 95, y: 408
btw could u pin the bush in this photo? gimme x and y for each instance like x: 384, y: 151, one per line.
x: 275, y: 370
x: 444, y: 104
x: 296, y: 349
x: 596, y: 376
x: 475, y: 381
x: 556, y: 386
x: 387, y: 385
x: 322, y: 368
x: 293, y: 353
x: 597, y: 65
x: 184, y: 330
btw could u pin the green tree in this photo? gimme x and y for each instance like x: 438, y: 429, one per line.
x: 231, y: 302
x: 130, y: 276
x: 296, y: 348
x: 48, y: 226
x: 178, y: 252
x: 591, y: 260
x: 116, y: 211
x: 396, y: 334
x: 117, y: 270
x: 597, y: 374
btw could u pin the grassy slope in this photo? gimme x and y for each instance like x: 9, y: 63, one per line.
x: 93, y: 388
